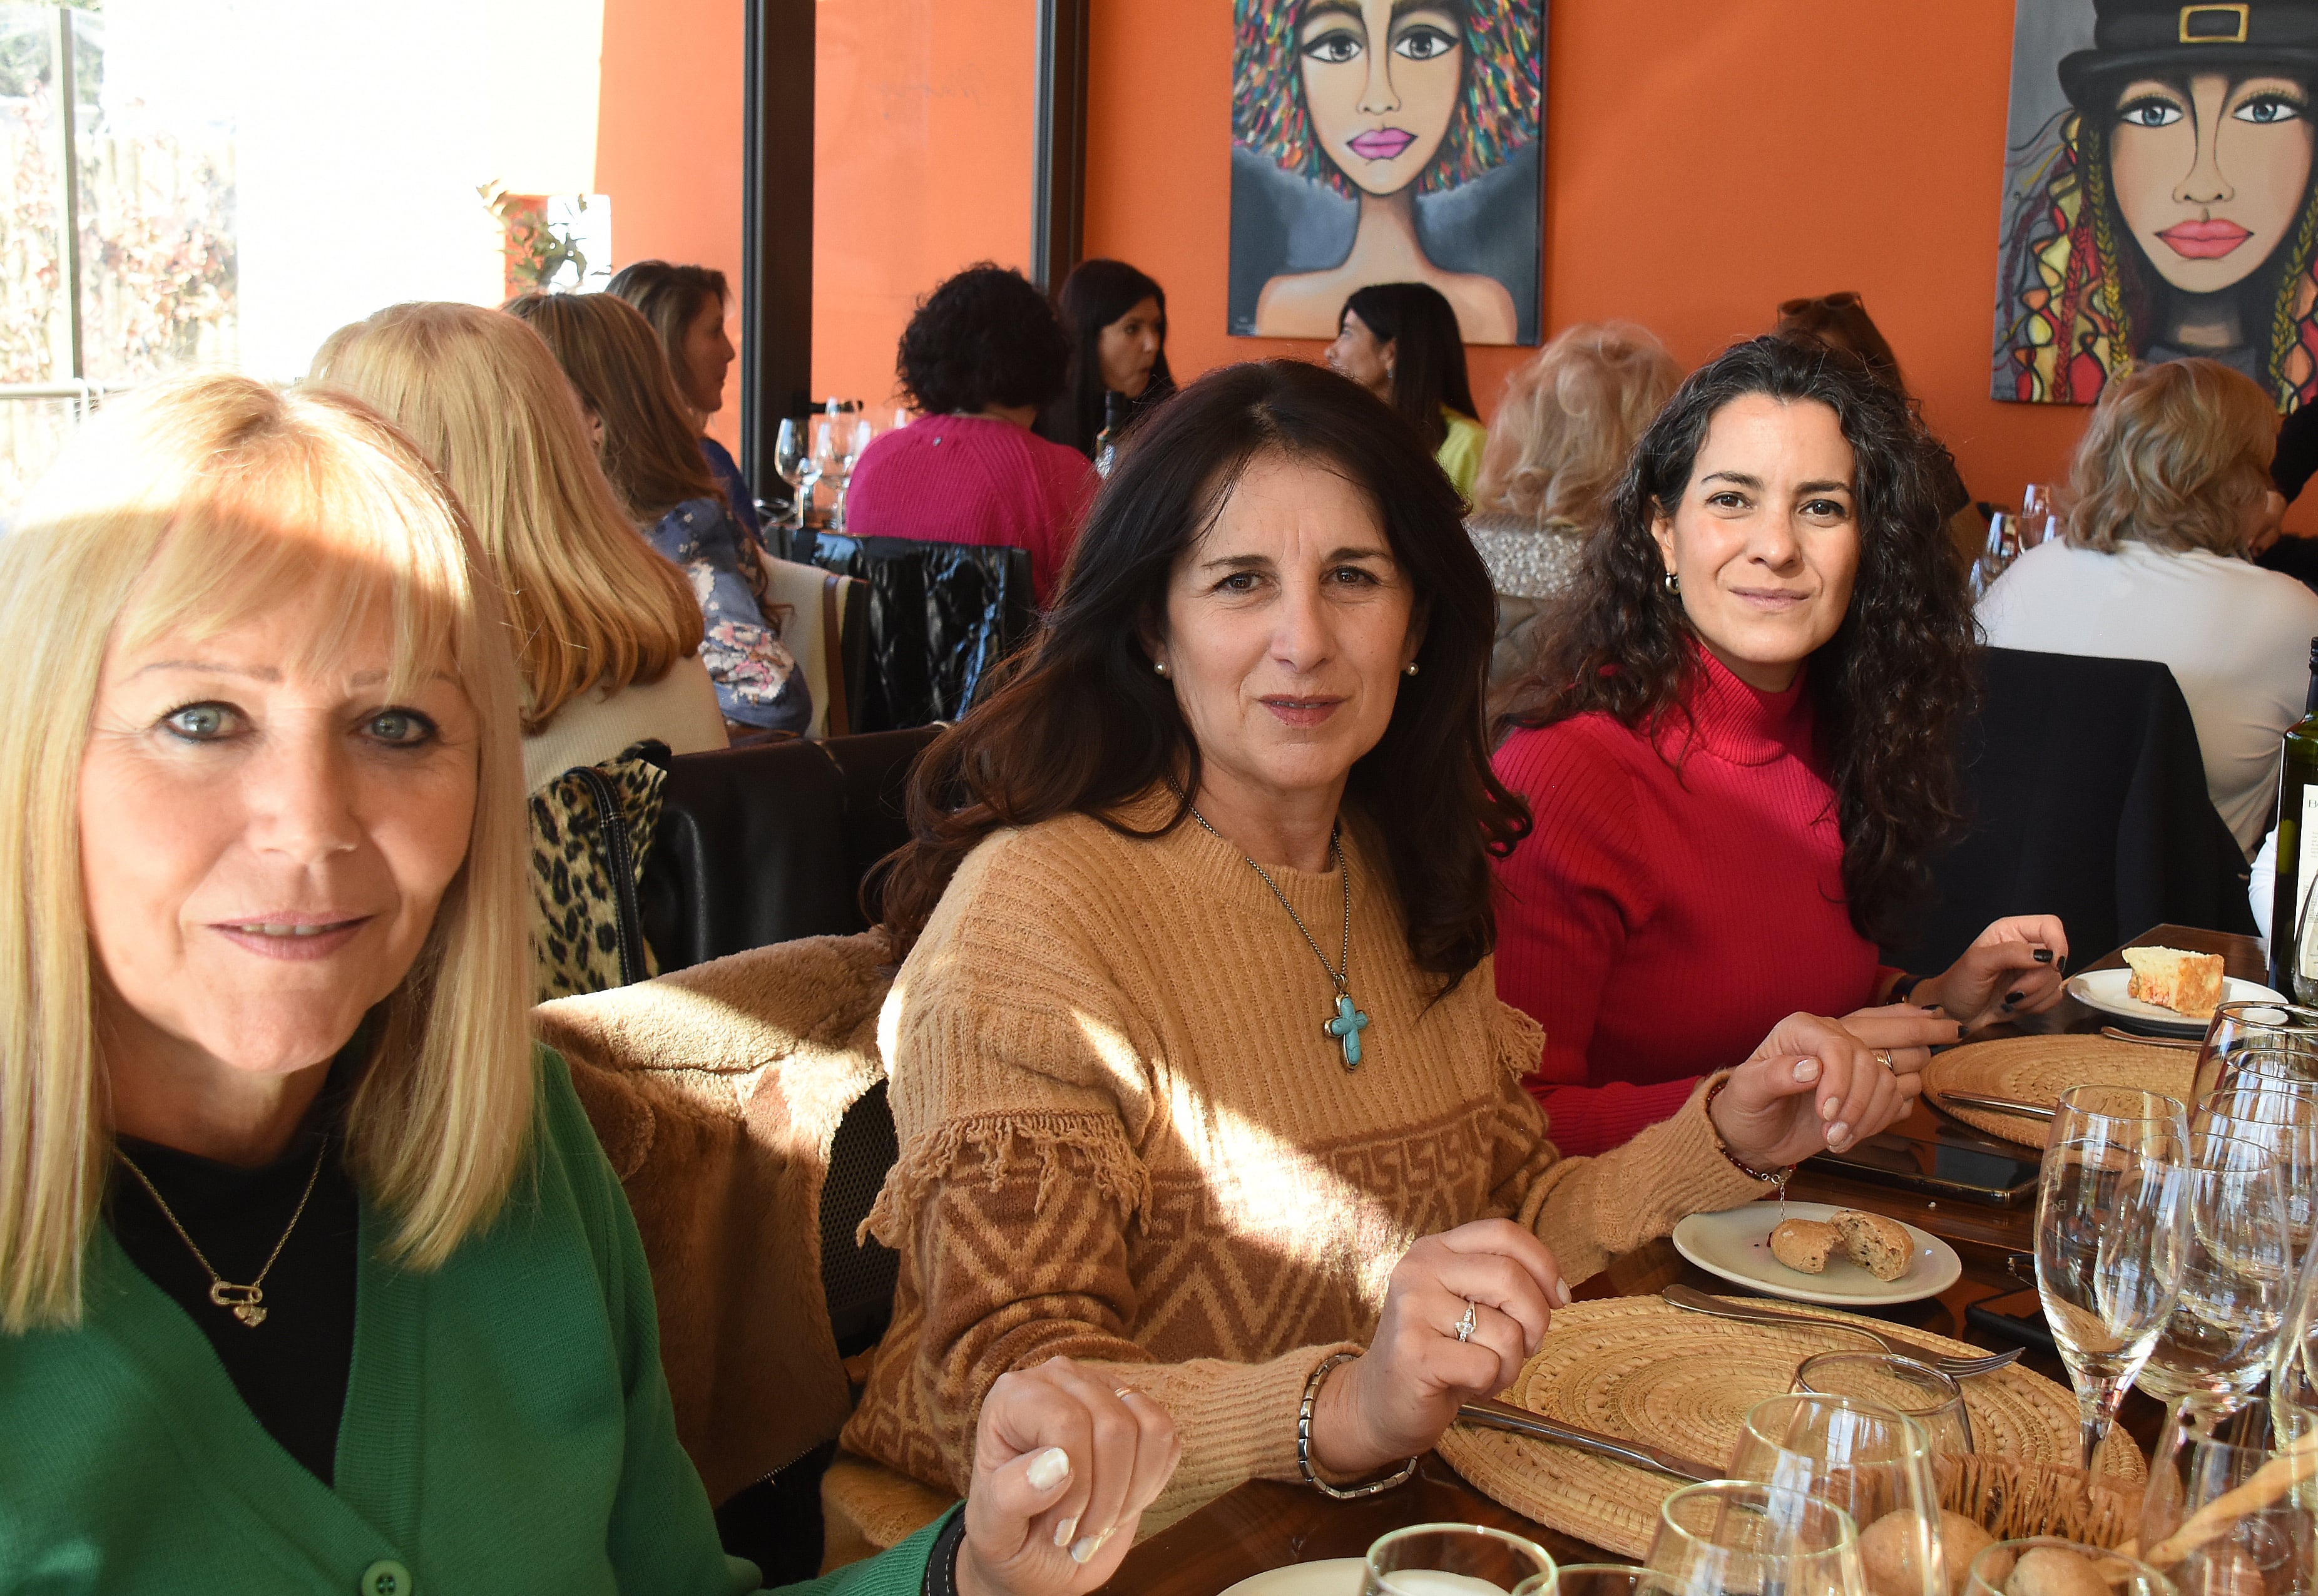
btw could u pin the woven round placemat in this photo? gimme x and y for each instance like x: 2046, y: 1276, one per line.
x: 2039, y: 1068
x: 1639, y: 1369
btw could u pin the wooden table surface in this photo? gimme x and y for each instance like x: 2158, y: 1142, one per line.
x: 1265, y: 1524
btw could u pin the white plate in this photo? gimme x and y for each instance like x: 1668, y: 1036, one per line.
x: 1329, y: 1576
x: 2104, y: 990
x: 1735, y: 1244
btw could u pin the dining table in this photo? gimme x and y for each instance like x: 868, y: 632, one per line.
x: 1265, y: 1524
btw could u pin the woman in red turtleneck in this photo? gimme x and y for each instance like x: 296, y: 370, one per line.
x: 1737, y: 751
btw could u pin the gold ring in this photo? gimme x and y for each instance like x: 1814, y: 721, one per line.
x: 1883, y: 1057
x: 1122, y: 1392
x: 1470, y: 1322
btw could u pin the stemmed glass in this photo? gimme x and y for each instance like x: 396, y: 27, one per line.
x: 1870, y: 1461
x: 1732, y: 1538
x: 2257, y: 1035
x: 828, y: 457
x: 2294, y: 1366
x: 2003, y: 547
x: 1456, y: 1560
x: 1920, y: 1390
x: 2036, y: 520
x: 2222, y: 1514
x: 789, y: 465
x: 857, y: 439
x: 2214, y: 1347
x: 2112, y: 1212
x: 2281, y: 1114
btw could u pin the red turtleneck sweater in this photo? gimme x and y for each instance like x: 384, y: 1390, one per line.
x: 1680, y: 895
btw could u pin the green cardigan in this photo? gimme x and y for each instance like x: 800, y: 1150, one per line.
x: 507, y: 1428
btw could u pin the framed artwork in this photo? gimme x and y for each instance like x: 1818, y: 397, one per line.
x: 2157, y: 196
x: 1387, y: 141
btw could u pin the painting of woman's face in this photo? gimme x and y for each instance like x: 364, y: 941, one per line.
x: 2210, y: 173
x: 1381, y: 83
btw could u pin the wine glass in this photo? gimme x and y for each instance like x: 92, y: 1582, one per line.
x: 2214, y: 1347
x: 1456, y: 1560
x: 1870, y: 1461
x: 2112, y: 1208
x: 2294, y: 1366
x: 789, y: 465
x: 2281, y: 1114
x: 1592, y: 1579
x: 2112, y: 1572
x: 2213, y: 1522
x: 2035, y: 515
x: 828, y: 454
x: 2258, y: 1034
x: 2003, y: 547
x: 1736, y: 1538
x: 1932, y: 1398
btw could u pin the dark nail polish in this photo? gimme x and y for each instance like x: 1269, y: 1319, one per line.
x: 2043, y: 955
x: 2062, y: 965
x: 2012, y: 997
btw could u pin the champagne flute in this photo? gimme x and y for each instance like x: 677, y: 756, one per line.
x: 789, y: 465
x: 1874, y: 1462
x: 2112, y: 1208
x: 1920, y: 1390
x: 1735, y: 1537
x: 2213, y: 1522
x: 2214, y: 1347
x: 1456, y: 1560
x: 2113, y: 1574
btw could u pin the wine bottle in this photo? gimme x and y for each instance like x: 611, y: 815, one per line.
x: 2297, y: 834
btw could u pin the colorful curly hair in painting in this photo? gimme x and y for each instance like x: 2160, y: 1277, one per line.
x: 1496, y: 113
x: 2074, y: 291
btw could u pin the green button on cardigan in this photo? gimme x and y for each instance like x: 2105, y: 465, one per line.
x: 507, y: 1428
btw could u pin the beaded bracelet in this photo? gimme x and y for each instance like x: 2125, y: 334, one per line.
x: 1778, y: 1179
x: 1304, y: 1442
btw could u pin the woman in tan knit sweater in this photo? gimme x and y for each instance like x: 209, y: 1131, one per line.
x: 1204, y: 1092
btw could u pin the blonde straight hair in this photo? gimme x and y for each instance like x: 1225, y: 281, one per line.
x: 188, y: 510
x: 594, y: 605
x: 2173, y: 456
x: 1559, y: 441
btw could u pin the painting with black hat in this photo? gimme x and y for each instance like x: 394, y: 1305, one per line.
x: 2157, y: 196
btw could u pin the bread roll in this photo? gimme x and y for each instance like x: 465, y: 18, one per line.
x: 1887, y: 1550
x: 2054, y: 1570
x: 1804, y: 1244
x: 1878, y: 1245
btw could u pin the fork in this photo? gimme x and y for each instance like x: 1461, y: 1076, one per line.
x: 1947, y: 1363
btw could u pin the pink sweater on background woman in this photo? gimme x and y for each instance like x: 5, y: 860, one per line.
x: 973, y: 480
x: 1679, y: 897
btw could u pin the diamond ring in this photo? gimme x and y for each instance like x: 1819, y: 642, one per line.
x: 1883, y: 1057
x: 1466, y: 1326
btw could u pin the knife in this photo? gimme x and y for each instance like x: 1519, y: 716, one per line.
x: 1988, y: 1105
x: 1490, y: 1414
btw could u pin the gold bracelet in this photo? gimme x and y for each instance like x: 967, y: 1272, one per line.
x: 1779, y: 1179
x: 1304, y: 1442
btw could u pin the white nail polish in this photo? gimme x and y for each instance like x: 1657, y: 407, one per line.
x: 1561, y: 1289
x: 1085, y: 1549
x: 1837, y: 1135
x: 1062, y: 1531
x: 1049, y: 1468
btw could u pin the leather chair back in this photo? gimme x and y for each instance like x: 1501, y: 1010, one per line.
x: 941, y: 616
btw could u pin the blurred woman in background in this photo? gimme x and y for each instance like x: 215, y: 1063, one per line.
x: 981, y: 357
x: 686, y: 306
x: 607, y: 630
x: 1557, y: 447
x: 1115, y: 320
x: 1399, y: 341
x: 652, y: 456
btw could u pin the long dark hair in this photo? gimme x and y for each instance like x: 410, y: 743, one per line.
x: 671, y: 298
x: 1083, y: 726
x: 1428, y: 367
x: 1095, y: 294
x: 1888, y: 687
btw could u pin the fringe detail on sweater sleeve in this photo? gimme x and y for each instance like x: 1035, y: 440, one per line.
x: 991, y: 1146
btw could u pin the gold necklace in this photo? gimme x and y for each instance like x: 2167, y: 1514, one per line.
x: 248, y: 1301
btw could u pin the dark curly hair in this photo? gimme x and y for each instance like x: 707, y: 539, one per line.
x: 1083, y: 726
x: 1891, y: 686
x: 984, y: 337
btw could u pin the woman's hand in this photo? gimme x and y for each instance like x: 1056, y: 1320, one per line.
x: 1815, y: 1084
x: 2015, y: 967
x: 1398, y: 1398
x: 1063, y: 1465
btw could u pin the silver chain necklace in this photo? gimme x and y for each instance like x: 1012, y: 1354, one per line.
x: 1345, y: 1022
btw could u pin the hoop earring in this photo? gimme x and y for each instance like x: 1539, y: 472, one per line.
x: 1673, y: 583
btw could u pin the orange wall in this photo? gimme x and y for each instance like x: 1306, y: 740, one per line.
x: 1705, y: 159
x: 668, y: 144
x: 924, y: 116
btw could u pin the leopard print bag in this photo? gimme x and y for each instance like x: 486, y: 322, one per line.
x: 591, y: 835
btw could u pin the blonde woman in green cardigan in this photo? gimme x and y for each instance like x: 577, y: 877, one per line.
x: 312, y: 1276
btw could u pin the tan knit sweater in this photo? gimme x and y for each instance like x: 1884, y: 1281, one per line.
x: 1125, y: 1138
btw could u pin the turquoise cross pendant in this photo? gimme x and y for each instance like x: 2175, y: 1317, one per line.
x: 1345, y: 1026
